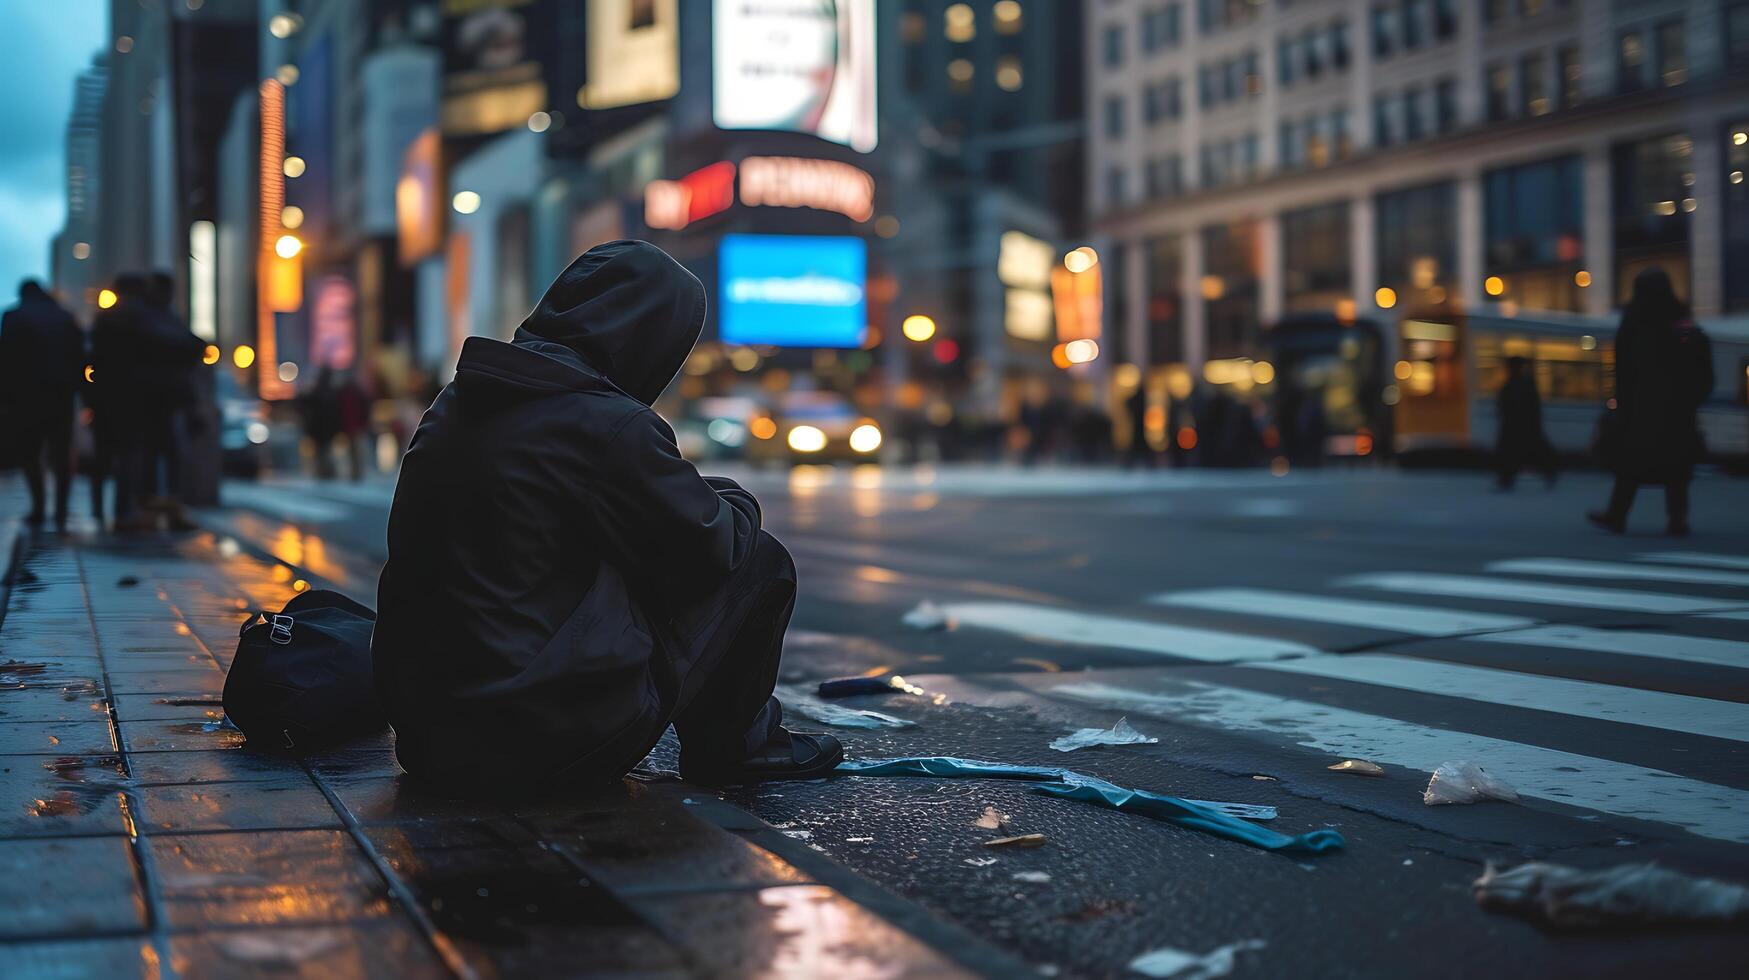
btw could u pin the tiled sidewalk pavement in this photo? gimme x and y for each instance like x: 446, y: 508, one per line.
x: 138, y: 837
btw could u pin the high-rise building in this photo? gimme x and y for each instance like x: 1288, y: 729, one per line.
x: 1251, y: 161
x: 71, y: 264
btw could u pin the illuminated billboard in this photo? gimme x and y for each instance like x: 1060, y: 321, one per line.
x: 634, y: 53
x: 792, y: 290
x: 805, y: 66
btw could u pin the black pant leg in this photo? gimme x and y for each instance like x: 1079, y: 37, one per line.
x: 726, y: 708
x: 59, y: 444
x: 1621, y: 499
x: 1676, y: 502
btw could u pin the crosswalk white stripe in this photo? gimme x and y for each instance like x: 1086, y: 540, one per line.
x: 1661, y: 646
x: 1540, y: 593
x: 1574, y: 568
x: 1418, y: 620
x: 1551, y: 774
x: 1697, y: 558
x: 1557, y: 695
x: 1091, y: 629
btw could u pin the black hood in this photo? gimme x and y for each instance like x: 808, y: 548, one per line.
x: 628, y: 309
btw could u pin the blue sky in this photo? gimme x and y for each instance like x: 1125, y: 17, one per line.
x: 42, y: 47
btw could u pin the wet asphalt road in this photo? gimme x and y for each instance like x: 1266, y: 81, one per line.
x: 1262, y: 629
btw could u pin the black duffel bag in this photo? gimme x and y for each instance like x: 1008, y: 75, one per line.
x: 302, y: 679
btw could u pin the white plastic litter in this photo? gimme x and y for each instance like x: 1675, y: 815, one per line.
x: 1119, y: 734
x: 280, y: 949
x: 1036, y: 877
x: 927, y: 616
x: 1625, y: 895
x: 980, y: 862
x: 805, y: 703
x: 1465, y: 782
x: 1177, y: 964
x: 991, y: 819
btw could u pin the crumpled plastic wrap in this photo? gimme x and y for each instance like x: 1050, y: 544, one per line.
x: 1626, y: 895
x: 1121, y: 733
x: 808, y: 705
x: 1227, y: 820
x: 1465, y: 782
x: 1176, y: 964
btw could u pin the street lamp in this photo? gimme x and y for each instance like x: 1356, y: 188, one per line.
x: 288, y: 247
x: 918, y: 327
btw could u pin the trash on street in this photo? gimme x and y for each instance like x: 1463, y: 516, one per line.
x: 927, y: 616
x: 1227, y: 820
x: 980, y: 862
x: 991, y: 819
x: 843, y: 687
x: 1036, y: 877
x: 806, y: 704
x: 1121, y: 733
x: 1177, y: 964
x: 1465, y: 782
x: 1359, y: 767
x: 1626, y: 895
x: 1019, y: 840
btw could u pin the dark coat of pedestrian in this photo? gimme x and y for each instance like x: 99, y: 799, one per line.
x: 561, y: 584
x: 1520, y: 440
x: 42, y: 359
x: 1663, y: 374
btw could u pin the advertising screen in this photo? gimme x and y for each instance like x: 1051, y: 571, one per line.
x: 634, y: 53
x: 792, y: 290
x: 805, y: 66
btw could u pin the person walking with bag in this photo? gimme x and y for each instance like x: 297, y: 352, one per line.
x: 1663, y: 373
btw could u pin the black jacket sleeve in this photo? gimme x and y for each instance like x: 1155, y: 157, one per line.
x: 663, y: 520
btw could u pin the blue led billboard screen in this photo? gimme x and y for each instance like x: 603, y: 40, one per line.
x: 792, y: 290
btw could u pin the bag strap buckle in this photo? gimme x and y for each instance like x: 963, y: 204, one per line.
x: 279, y: 629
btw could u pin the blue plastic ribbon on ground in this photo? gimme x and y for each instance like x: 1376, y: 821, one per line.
x: 1221, y: 819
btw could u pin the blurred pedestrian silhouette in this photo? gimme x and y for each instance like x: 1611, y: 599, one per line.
x: 114, y: 396
x: 352, y: 410
x: 320, y: 408
x: 1521, y: 441
x: 171, y: 362
x: 1139, y: 451
x: 42, y: 356
x: 1663, y: 372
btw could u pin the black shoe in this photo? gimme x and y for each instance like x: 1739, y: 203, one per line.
x: 786, y: 755
x: 1607, y: 522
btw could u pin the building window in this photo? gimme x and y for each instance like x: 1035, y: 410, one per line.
x: 1008, y: 16
x: 1165, y: 299
x: 1339, y: 45
x: 1654, y: 187
x: 1316, y: 257
x: 1340, y: 142
x: 1230, y: 287
x: 1445, y: 21
x: 1160, y: 27
x: 1499, y: 93
x: 1286, y: 61
x: 1009, y: 76
x: 1383, y: 132
x: 1493, y: 11
x: 912, y: 27
x: 1114, y: 117
x: 1413, y: 128
x: 1289, y: 154
x: 1414, y: 23
x: 1116, y: 193
x: 1672, y: 53
x: 1417, y: 252
x: 1737, y: 34
x: 1445, y: 105
x: 1571, y: 70
x: 960, y: 24
x: 1533, y: 84
x: 1113, y: 46
x: 960, y: 72
x: 1737, y: 216
x: 1165, y: 176
x: 1534, y: 231
x: 1630, y: 70
x: 1383, y: 30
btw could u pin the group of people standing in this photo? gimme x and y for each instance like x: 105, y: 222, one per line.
x: 1650, y: 431
x: 138, y: 373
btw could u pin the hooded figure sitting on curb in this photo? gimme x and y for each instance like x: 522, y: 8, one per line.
x: 562, y: 585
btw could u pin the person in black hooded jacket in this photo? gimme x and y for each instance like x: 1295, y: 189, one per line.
x: 561, y: 584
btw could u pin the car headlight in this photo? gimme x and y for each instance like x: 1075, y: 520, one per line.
x: 807, y: 439
x: 865, y: 438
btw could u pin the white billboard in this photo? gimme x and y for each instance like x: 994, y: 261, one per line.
x: 805, y: 66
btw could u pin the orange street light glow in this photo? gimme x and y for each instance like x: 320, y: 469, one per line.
x: 243, y: 356
x: 105, y: 298
x: 210, y: 355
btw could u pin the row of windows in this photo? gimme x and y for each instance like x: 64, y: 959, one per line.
x: 1542, y: 85
x: 1219, y: 15
x: 1312, y: 52
x: 1500, y: 11
x: 1162, y: 29
x: 1230, y: 161
x: 1415, y: 113
x: 1314, y: 141
x: 1162, y: 100
x: 1652, y: 58
x: 960, y: 22
x: 1229, y: 80
x: 1406, y: 25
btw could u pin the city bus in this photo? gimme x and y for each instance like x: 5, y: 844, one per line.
x: 1450, y: 367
